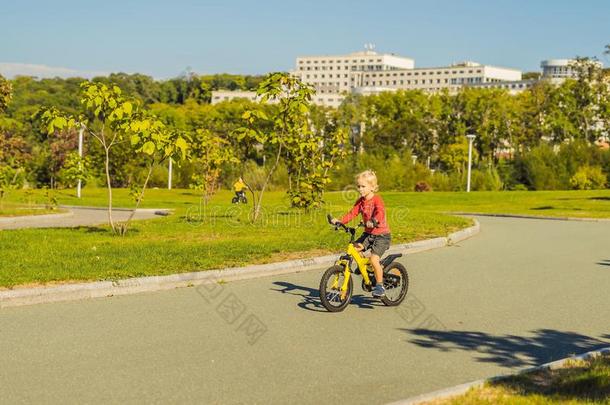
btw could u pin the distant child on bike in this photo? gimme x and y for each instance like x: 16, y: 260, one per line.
x: 376, y: 235
x: 240, y: 190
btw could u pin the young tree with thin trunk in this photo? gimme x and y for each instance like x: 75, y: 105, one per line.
x: 111, y: 119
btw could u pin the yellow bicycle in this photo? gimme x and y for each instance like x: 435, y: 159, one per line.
x: 336, y: 286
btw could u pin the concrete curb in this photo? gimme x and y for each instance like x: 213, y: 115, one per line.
x: 33, y: 218
x: 69, y: 292
x: 463, y: 388
x: 523, y: 216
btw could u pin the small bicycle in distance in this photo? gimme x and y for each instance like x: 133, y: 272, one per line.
x: 240, y: 197
x: 336, y: 286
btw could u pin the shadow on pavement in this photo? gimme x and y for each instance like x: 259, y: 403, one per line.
x: 605, y: 262
x: 544, y: 346
x: 311, y: 297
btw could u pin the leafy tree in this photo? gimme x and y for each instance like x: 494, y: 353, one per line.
x: 531, y: 76
x: 455, y: 156
x: 111, y: 119
x: 310, y: 154
x: 75, y: 168
x: 5, y: 93
x: 209, y: 153
x: 289, y: 125
x: 588, y: 178
x: 587, y: 90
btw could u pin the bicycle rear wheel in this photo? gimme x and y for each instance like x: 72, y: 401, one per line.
x: 396, y: 284
x: 331, y: 296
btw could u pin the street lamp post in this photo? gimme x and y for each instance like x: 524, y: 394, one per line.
x: 169, y: 176
x: 470, y: 140
x: 80, y: 155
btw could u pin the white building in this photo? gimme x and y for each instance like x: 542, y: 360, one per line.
x: 369, y: 72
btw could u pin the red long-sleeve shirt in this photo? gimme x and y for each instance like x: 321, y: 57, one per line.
x: 373, y: 208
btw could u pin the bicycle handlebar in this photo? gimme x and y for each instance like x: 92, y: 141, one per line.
x: 338, y: 225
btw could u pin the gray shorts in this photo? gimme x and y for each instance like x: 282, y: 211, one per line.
x: 377, y: 243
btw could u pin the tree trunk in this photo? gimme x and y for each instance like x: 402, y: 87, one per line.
x: 138, y: 201
x: 257, y: 204
x: 109, y: 186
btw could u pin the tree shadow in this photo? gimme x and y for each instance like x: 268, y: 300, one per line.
x: 544, y: 207
x: 311, y: 297
x: 544, y: 346
x: 600, y: 198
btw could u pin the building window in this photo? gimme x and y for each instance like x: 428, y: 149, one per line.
x: 416, y: 74
x: 415, y: 81
x: 422, y: 73
x: 402, y: 82
x: 394, y: 82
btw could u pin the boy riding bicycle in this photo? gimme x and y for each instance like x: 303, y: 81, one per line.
x: 239, y: 187
x: 376, y: 235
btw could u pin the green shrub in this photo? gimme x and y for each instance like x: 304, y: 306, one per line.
x: 541, y: 169
x: 485, y: 180
x: 519, y: 187
x: 588, y: 178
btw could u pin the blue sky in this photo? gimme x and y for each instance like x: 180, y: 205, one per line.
x: 162, y: 38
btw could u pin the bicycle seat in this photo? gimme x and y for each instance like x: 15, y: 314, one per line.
x: 389, y: 259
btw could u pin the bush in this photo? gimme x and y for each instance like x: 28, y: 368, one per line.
x: 422, y: 186
x: 541, y: 169
x: 485, y: 180
x: 588, y: 178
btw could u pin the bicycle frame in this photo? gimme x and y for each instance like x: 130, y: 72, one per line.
x: 362, y: 263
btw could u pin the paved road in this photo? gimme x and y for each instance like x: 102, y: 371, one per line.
x: 76, y: 216
x: 523, y: 292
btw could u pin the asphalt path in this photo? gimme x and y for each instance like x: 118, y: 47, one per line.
x: 521, y: 293
x: 77, y: 216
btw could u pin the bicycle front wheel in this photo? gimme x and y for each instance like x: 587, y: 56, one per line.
x: 333, y: 298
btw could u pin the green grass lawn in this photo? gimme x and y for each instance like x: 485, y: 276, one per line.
x: 579, y: 382
x: 195, y: 239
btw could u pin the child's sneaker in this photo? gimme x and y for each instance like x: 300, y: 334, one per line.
x: 378, y: 291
